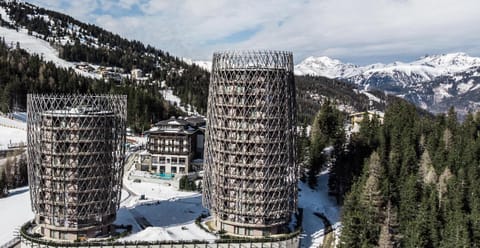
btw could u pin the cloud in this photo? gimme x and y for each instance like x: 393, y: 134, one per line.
x: 356, y: 31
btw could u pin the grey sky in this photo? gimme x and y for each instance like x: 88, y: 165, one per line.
x: 357, y: 31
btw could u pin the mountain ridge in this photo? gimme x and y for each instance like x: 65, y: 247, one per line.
x: 427, y: 82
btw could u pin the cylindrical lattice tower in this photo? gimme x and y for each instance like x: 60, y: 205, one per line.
x: 250, y: 181
x: 76, y: 147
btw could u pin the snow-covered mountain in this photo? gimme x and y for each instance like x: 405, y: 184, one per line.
x: 423, y: 69
x: 428, y: 82
x: 326, y: 67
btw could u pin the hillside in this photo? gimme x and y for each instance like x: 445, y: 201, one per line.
x: 22, y: 73
x: 95, y: 52
x: 312, y: 91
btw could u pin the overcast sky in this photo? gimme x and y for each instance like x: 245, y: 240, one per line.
x: 356, y: 31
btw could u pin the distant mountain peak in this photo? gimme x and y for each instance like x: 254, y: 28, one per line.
x: 326, y: 66
x: 459, y: 60
x: 334, y: 68
x: 434, y: 82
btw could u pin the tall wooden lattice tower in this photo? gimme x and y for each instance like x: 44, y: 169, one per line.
x: 250, y: 180
x: 76, y: 147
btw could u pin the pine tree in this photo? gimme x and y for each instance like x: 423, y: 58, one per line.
x: 427, y: 172
x: 455, y: 233
x: 353, y: 219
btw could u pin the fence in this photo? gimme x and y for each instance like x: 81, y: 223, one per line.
x: 287, y: 241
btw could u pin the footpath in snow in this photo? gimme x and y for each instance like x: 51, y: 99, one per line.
x: 317, y: 201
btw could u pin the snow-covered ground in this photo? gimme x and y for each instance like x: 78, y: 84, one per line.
x: 40, y: 47
x: 318, y: 201
x: 157, y: 192
x: 175, y: 100
x: 4, y: 15
x: 204, y: 64
x: 4, y: 121
x: 15, y: 210
x: 168, y: 214
x: 168, y: 210
x: 11, y: 131
x: 11, y: 135
x: 370, y: 96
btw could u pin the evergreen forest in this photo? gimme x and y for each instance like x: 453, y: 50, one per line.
x: 411, y: 181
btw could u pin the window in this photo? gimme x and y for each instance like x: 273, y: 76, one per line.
x: 181, y: 160
x: 174, y: 169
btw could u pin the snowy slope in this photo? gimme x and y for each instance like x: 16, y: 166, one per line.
x: 37, y: 46
x: 4, y: 15
x: 176, y: 101
x: 170, y: 212
x: 207, y: 65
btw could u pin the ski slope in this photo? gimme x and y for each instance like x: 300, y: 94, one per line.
x: 39, y: 47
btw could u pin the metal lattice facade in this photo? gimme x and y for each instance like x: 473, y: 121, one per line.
x: 250, y: 182
x: 76, y: 147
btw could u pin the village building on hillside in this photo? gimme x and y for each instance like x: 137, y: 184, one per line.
x: 355, y: 119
